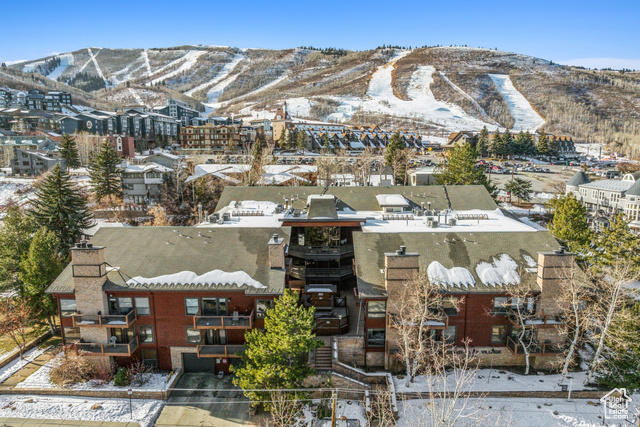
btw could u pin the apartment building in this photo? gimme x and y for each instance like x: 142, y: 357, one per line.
x: 212, y: 138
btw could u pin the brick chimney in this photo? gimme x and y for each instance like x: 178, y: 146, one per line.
x: 276, y: 252
x: 399, y: 267
x: 553, y: 269
x: 89, y: 274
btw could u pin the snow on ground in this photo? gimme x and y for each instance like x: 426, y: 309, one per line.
x: 16, y: 364
x: 498, y: 380
x: 145, y: 412
x: 299, y: 107
x: 40, y: 379
x: 222, y: 75
x: 537, y: 209
x: 467, y: 96
x: 516, y: 412
x: 145, y: 58
x: 381, y: 98
x: 136, y: 96
x: 592, y: 150
x: 346, y: 410
x: 188, y: 60
x: 524, y: 116
x: 8, y: 192
x: 95, y: 64
x: 66, y: 60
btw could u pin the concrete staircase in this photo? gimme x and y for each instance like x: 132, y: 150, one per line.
x: 323, y: 359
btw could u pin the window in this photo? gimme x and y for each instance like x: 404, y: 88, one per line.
x: 120, y: 305
x: 193, y: 335
x: 67, y: 307
x: 150, y: 357
x: 500, y: 305
x: 191, y: 306
x: 450, y: 307
x: 450, y: 334
x: 142, y: 306
x: 262, y: 305
x: 375, y: 337
x: 145, y: 333
x: 376, y: 309
x: 71, y: 334
x: 594, y: 194
x: 214, y: 306
x: 123, y: 336
x: 498, y: 334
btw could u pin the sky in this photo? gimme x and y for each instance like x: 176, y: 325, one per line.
x: 588, y: 33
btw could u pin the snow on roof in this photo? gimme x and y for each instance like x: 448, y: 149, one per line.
x: 441, y: 275
x: 214, y: 277
x: 148, y: 167
x: 503, y: 270
x: 391, y: 200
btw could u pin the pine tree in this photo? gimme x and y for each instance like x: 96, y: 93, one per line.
x: 395, y: 157
x: 616, y: 242
x: 40, y: 267
x: 60, y: 207
x: 482, y: 147
x: 497, y: 145
x: 543, y: 144
x: 507, y: 142
x: 461, y: 169
x: 105, y: 172
x: 274, y: 358
x: 68, y: 149
x: 282, y: 140
x: 520, y: 188
x: 569, y: 224
x: 289, y: 140
x: 325, y: 141
x: 529, y: 148
x: 300, y: 141
x: 16, y: 233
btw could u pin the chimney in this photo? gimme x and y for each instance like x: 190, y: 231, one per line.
x: 553, y: 269
x: 89, y: 270
x: 399, y: 267
x: 276, y: 252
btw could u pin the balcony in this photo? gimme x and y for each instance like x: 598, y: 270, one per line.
x: 220, y: 350
x: 223, y: 322
x: 536, y: 349
x: 544, y: 322
x: 301, y: 272
x: 321, y: 253
x: 334, y: 322
x: 105, y: 321
x: 96, y: 349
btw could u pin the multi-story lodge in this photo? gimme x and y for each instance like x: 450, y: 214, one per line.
x: 185, y: 296
x: 180, y: 111
x: 211, y: 138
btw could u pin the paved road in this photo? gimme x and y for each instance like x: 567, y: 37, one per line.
x: 205, y: 408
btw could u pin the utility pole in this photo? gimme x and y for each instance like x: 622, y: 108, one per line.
x: 334, y: 398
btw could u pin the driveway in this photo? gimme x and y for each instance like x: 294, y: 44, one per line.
x: 203, y: 405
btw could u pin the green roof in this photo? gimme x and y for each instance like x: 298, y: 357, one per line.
x: 156, y: 251
x: 465, y: 250
x: 462, y: 197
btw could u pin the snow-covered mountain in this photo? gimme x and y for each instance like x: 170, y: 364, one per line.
x: 434, y: 88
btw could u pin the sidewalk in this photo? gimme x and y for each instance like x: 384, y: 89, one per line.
x: 27, y: 370
x: 30, y: 422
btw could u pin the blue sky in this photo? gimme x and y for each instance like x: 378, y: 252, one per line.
x: 584, y: 32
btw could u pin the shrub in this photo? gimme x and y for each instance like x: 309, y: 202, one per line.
x: 72, y: 368
x: 103, y: 374
x: 122, y: 378
x: 138, y: 373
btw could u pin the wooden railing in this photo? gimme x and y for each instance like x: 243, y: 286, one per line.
x: 220, y: 350
x: 223, y: 322
x: 105, y: 320
x: 99, y: 349
x: 544, y: 322
x: 535, y: 349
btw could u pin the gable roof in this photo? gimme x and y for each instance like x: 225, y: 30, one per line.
x: 634, y: 190
x: 150, y: 252
x: 578, y: 179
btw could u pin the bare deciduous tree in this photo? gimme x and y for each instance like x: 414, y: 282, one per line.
x: 15, y: 317
x: 379, y: 409
x: 521, y: 308
x: 285, y: 408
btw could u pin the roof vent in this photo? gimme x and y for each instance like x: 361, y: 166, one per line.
x: 402, y: 250
x: 560, y: 250
x: 275, y: 238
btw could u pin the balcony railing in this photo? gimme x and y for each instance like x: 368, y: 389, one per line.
x: 535, y: 349
x: 220, y: 350
x: 98, y: 349
x: 333, y: 322
x: 302, y: 272
x: 320, y: 252
x: 544, y: 322
x: 223, y: 322
x: 105, y: 321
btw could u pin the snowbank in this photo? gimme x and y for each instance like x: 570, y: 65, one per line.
x: 144, y: 412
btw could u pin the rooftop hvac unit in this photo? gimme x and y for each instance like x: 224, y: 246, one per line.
x: 296, y: 213
x: 213, y: 218
x: 417, y: 211
x: 278, y: 209
x: 225, y: 216
x: 432, y: 223
x: 452, y: 221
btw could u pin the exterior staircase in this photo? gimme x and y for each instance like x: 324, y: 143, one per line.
x: 323, y: 359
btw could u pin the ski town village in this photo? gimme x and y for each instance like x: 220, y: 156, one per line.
x: 310, y: 273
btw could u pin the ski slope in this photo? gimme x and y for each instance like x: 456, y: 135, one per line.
x: 66, y: 60
x: 524, y: 116
x: 222, y: 75
x: 422, y: 103
x: 187, y: 61
x: 95, y: 64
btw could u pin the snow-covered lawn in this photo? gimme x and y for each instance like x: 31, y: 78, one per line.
x: 524, y: 116
x: 16, y: 364
x: 144, y: 412
x: 345, y: 409
x: 41, y: 379
x: 516, y: 412
x: 499, y: 380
